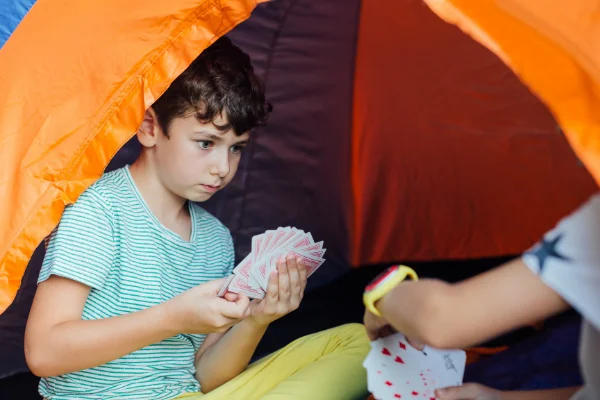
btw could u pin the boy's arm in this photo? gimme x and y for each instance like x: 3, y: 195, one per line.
x: 57, y: 341
x: 467, y: 313
x: 223, y: 357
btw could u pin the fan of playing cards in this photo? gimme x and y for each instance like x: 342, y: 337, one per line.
x: 396, y: 370
x: 252, y: 274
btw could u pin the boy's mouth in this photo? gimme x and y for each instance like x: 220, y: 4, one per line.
x: 210, y: 188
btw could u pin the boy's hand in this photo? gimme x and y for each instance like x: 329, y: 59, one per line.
x: 284, y: 292
x: 468, y: 391
x: 199, y: 310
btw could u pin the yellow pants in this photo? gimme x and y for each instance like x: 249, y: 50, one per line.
x: 326, y: 365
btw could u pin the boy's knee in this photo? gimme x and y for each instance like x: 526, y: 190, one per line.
x: 354, y: 334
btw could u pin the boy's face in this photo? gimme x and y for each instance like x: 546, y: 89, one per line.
x: 196, y: 159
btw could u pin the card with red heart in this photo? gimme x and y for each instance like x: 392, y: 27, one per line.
x: 396, y: 370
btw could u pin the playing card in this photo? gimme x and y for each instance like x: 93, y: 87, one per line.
x: 257, y: 244
x: 239, y: 285
x: 264, y: 269
x: 243, y: 269
x: 289, y: 237
x: 386, y: 381
x: 251, y: 275
x: 311, y: 247
x: 395, y: 368
x: 225, y: 285
x: 266, y: 244
x: 447, y: 366
x: 280, y: 235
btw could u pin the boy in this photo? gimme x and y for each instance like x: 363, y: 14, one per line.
x: 562, y: 271
x: 127, y: 291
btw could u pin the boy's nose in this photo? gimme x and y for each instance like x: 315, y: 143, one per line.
x: 221, y: 166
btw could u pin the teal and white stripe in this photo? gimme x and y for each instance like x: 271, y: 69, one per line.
x: 110, y: 241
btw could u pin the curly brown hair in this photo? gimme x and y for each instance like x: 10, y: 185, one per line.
x: 220, y: 81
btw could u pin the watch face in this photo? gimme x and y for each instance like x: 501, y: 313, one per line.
x: 379, y: 279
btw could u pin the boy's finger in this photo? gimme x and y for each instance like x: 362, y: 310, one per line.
x: 303, y: 274
x: 242, y: 300
x: 231, y: 310
x: 213, y: 286
x: 294, y: 273
x: 296, y: 285
x: 230, y: 296
x: 273, y: 287
x: 284, y: 281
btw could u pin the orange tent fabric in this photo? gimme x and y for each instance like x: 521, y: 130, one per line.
x: 74, y: 84
x: 554, y: 47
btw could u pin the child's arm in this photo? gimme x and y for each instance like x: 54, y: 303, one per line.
x: 223, y: 357
x: 469, y: 312
x: 57, y: 341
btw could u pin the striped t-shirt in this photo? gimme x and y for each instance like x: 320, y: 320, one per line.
x: 110, y: 240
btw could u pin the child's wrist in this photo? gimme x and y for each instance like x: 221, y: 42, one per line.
x: 170, y: 318
x: 255, y: 323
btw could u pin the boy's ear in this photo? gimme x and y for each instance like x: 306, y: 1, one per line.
x: 149, y: 130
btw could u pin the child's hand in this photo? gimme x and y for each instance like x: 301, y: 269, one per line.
x: 284, y: 292
x: 377, y: 327
x: 469, y: 391
x: 199, y: 310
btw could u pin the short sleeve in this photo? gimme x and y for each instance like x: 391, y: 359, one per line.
x: 82, y: 246
x: 567, y: 259
x: 230, y: 256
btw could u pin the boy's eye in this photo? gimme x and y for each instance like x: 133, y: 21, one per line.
x: 237, y: 149
x: 204, y: 144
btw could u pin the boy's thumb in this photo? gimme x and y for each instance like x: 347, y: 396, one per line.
x: 213, y: 287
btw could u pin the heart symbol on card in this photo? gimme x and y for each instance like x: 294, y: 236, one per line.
x: 386, y: 352
x: 399, y: 360
x: 388, y: 383
x: 402, y: 346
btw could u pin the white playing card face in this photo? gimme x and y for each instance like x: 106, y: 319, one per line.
x: 389, y: 383
x: 410, y: 372
x: 449, y: 366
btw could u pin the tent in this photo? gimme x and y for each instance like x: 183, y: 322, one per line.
x: 394, y: 136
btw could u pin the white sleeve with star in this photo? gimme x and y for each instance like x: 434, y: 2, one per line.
x: 568, y: 259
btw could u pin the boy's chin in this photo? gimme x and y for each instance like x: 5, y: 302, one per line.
x: 199, y: 197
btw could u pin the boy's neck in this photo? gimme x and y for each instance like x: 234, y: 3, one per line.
x: 165, y: 205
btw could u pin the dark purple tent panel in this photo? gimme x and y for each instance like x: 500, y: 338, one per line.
x: 295, y: 171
